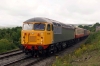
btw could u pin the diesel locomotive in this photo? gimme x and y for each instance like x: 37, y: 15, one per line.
x: 41, y: 36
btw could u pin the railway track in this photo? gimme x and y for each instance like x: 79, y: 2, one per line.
x: 9, y: 57
x: 10, y: 53
x: 24, y: 60
x: 28, y: 61
x: 46, y: 61
x: 15, y: 61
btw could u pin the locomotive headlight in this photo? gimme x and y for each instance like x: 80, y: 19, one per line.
x: 41, y: 33
x: 41, y: 41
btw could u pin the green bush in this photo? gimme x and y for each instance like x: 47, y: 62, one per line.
x: 62, y: 61
x: 5, y: 45
x: 11, y: 34
x: 93, y: 38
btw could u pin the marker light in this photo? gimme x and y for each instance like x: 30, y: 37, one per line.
x: 24, y: 33
x: 38, y: 34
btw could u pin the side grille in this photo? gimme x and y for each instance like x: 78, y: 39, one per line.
x: 32, y: 38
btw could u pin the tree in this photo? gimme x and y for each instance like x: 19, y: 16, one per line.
x: 80, y: 26
x: 5, y: 45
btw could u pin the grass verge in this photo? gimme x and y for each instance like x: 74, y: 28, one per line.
x: 86, y: 55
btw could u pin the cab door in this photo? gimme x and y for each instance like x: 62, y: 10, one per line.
x: 49, y: 34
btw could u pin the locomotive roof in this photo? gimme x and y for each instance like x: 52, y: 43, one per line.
x: 37, y: 19
x: 42, y: 19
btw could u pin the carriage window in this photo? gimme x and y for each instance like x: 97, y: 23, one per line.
x: 27, y: 26
x: 39, y: 26
x: 48, y: 27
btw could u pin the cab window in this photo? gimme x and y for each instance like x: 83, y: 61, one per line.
x: 28, y: 26
x: 48, y: 27
x: 39, y: 26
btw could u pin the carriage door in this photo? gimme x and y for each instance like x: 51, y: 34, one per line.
x: 49, y: 34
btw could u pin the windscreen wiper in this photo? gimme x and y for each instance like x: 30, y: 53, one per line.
x: 38, y: 24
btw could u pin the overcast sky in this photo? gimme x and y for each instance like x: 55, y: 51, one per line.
x: 14, y: 12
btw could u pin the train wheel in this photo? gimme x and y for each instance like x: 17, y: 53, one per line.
x: 67, y: 44
x: 55, y: 49
x: 48, y: 53
x: 36, y: 54
x: 50, y: 50
x: 32, y: 53
x: 59, y: 47
x: 73, y: 41
x: 42, y: 53
x: 26, y: 51
x: 64, y: 45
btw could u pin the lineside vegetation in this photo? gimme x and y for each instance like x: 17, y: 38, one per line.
x: 9, y: 38
x: 92, y: 44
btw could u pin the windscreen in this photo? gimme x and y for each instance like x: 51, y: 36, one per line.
x: 28, y: 26
x: 39, y: 26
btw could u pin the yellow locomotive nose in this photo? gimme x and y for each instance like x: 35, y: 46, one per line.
x: 36, y: 35
x: 32, y: 38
